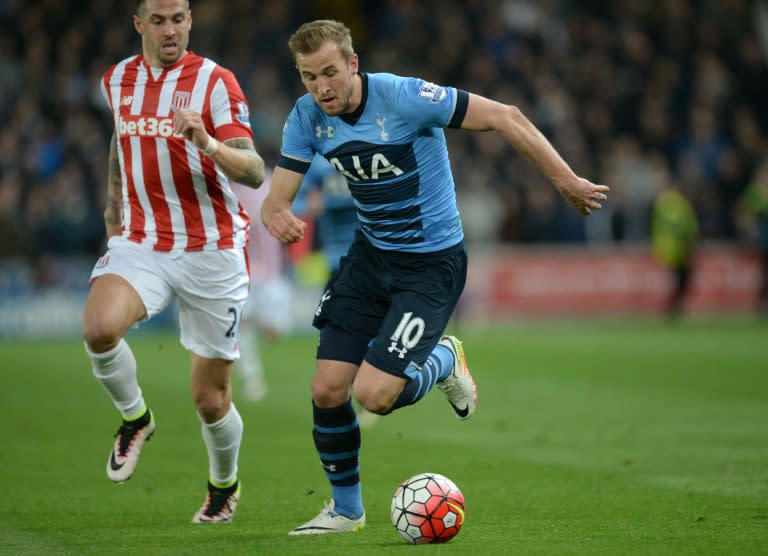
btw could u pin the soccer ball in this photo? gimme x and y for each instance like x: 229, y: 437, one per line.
x: 428, y: 508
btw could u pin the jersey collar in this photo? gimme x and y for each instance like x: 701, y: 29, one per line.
x: 352, y: 117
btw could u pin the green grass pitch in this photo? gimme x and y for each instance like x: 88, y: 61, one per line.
x: 609, y: 437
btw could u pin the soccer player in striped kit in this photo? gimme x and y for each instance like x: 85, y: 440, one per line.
x: 382, y: 320
x: 176, y: 230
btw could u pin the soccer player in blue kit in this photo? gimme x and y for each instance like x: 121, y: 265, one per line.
x: 382, y: 319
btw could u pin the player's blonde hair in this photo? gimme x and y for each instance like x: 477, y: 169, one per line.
x: 312, y: 35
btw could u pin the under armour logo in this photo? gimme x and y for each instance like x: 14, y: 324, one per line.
x: 380, y: 121
x: 329, y: 467
x: 400, y: 351
x: 325, y: 297
x: 319, y: 131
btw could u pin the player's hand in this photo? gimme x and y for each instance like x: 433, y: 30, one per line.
x: 286, y: 227
x: 190, y: 124
x: 584, y: 195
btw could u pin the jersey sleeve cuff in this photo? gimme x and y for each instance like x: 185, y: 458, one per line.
x: 233, y: 131
x: 293, y: 164
x: 462, y: 102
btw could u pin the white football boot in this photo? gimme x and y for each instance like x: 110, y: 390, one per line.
x: 459, y: 387
x: 328, y: 521
x: 130, y: 438
x: 219, y: 506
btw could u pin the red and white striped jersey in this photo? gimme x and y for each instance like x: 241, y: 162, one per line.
x: 175, y: 197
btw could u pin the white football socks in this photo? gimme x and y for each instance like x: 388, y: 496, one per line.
x: 116, y: 372
x: 222, y: 439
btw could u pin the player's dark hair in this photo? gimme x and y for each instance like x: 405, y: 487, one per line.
x: 141, y: 4
x: 312, y: 35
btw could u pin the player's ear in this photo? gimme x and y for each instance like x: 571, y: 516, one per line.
x: 138, y: 24
x: 354, y: 63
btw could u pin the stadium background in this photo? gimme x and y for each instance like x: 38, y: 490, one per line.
x: 635, y: 94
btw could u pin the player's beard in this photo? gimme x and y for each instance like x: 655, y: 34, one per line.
x: 168, y: 57
x: 344, y: 103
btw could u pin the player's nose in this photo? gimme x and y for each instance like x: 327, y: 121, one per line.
x: 323, y: 85
x: 169, y: 29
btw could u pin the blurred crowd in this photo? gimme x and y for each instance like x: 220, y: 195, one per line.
x: 641, y: 95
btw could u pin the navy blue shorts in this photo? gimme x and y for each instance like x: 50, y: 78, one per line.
x: 393, y: 306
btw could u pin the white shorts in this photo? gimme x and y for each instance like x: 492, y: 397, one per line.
x: 269, y: 305
x: 212, y: 287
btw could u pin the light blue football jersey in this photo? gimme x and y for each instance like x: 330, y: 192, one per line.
x: 392, y: 151
x: 336, y: 226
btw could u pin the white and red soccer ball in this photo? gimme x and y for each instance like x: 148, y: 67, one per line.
x: 428, y: 508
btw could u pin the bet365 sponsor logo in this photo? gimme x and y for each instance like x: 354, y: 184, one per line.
x: 144, y: 126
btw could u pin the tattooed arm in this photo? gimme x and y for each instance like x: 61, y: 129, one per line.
x: 113, y: 214
x: 237, y: 158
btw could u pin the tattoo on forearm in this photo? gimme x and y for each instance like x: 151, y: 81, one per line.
x: 251, y: 174
x: 241, y: 143
x: 112, y: 214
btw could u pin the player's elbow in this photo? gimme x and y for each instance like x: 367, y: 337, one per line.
x: 503, y: 118
x: 260, y: 171
x: 259, y: 176
x: 515, y: 126
x: 514, y: 115
x: 254, y: 174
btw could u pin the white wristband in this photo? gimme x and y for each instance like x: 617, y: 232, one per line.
x: 211, y: 147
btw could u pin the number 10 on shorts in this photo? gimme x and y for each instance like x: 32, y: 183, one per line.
x: 408, y: 333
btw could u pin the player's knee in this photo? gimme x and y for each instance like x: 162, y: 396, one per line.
x: 329, y: 395
x: 375, y: 400
x: 100, y: 334
x: 380, y: 407
x: 211, y: 404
